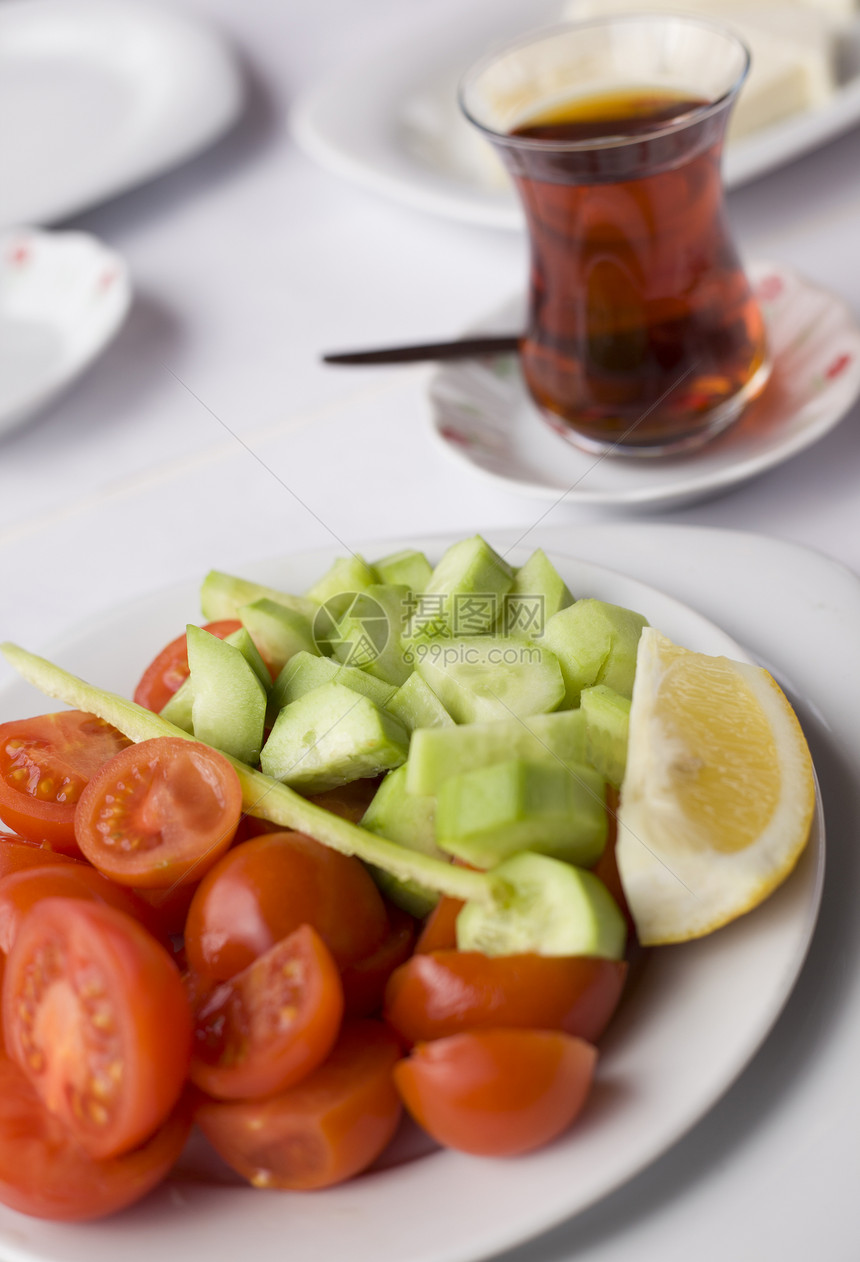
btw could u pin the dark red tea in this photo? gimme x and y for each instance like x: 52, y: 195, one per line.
x: 642, y: 329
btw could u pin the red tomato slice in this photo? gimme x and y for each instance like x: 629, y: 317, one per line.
x: 160, y: 813
x: 272, y: 1024
x: 45, y: 764
x: 326, y: 1129
x: 95, y: 1013
x: 440, y: 927
x: 496, y: 1093
x: 364, y: 981
x: 265, y: 889
x: 19, y: 855
x: 449, y: 992
x: 164, y: 675
x: 44, y: 1173
x: 20, y: 891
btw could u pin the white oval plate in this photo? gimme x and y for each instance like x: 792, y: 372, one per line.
x: 682, y: 1036
x: 98, y: 95
x: 63, y: 297
x: 389, y: 120
x: 482, y: 414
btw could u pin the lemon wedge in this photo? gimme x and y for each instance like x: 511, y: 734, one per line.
x: 718, y: 794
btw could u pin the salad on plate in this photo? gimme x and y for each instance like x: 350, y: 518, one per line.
x: 394, y: 845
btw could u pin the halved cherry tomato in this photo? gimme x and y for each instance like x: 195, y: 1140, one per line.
x: 95, y: 1013
x: 160, y: 813
x: 169, y: 670
x: 45, y: 1173
x: 448, y: 992
x: 19, y: 855
x: 272, y: 1024
x: 264, y: 889
x: 440, y: 927
x: 606, y: 867
x: 45, y: 764
x: 326, y: 1129
x: 21, y: 891
x: 498, y: 1092
x: 365, y: 980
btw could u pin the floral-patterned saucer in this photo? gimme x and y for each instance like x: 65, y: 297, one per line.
x: 482, y: 414
x: 63, y: 297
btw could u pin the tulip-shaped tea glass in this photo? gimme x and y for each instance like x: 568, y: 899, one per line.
x: 643, y: 336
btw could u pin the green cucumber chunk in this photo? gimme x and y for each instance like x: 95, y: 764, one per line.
x: 607, y: 725
x: 223, y: 595
x: 595, y: 643
x: 415, y: 705
x: 464, y: 593
x: 436, y: 754
x: 304, y: 672
x: 368, y: 635
x: 228, y: 708
x: 538, y: 592
x: 404, y: 817
x: 278, y: 632
x: 408, y: 567
x: 482, y: 678
x: 486, y: 815
x: 346, y: 574
x: 553, y: 909
x: 178, y: 709
x: 331, y: 736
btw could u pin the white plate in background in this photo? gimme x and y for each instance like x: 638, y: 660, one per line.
x: 99, y: 95
x: 390, y: 121
x: 684, y: 1034
x: 63, y: 298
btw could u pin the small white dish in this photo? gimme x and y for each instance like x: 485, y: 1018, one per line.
x: 693, y: 1021
x: 63, y: 297
x: 389, y: 120
x: 482, y: 414
x: 98, y: 95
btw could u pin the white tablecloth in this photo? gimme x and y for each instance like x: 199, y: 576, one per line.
x: 210, y: 433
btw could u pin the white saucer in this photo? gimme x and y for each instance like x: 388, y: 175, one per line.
x: 98, y: 95
x: 63, y: 297
x: 482, y: 414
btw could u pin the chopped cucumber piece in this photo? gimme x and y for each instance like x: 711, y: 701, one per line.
x: 553, y: 909
x: 484, y: 816
x: 222, y: 596
x: 482, y: 678
x: 537, y: 593
x: 178, y: 708
x: 464, y: 594
x: 607, y: 723
x: 228, y: 707
x: 595, y: 643
x: 278, y: 632
x: 436, y: 754
x: 415, y: 705
x: 410, y: 820
x: 304, y: 672
x: 408, y: 567
x: 242, y: 641
x: 331, y: 736
x: 368, y: 635
x: 347, y: 574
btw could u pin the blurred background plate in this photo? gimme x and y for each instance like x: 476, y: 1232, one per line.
x: 63, y: 298
x: 99, y: 95
x: 389, y: 120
